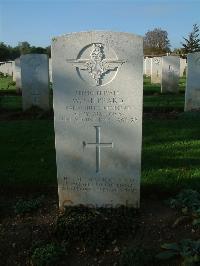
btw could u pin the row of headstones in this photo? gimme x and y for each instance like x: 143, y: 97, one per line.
x: 32, y: 73
x: 12, y: 68
x: 97, y: 100
x: 152, y: 62
x: 165, y: 70
x: 7, y: 68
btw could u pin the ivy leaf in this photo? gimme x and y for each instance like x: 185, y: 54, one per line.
x: 166, y: 255
x: 196, y: 221
x: 173, y: 246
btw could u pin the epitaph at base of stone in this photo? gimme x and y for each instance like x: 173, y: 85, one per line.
x: 97, y: 98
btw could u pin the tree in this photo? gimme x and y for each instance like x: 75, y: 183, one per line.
x: 37, y: 50
x: 156, y: 42
x: 4, y: 52
x: 14, y: 52
x: 24, y: 48
x: 192, y: 43
x: 48, y: 50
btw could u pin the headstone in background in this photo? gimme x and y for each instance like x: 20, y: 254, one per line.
x: 148, y: 66
x: 144, y: 70
x: 18, y: 74
x: 50, y: 69
x: 97, y: 87
x: 35, y: 80
x: 183, y: 65
x: 156, y: 69
x: 9, y: 68
x: 170, y: 74
x: 3, y: 68
x: 192, y: 94
x: 13, y: 69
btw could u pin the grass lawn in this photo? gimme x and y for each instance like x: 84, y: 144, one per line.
x: 6, y: 84
x: 27, y: 152
x: 171, y: 152
x: 171, y: 146
x: 32, y: 229
x: 170, y: 159
x: 153, y: 99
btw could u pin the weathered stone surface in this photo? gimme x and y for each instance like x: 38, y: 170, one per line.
x: 147, y: 66
x: 18, y: 74
x: 97, y: 86
x: 35, y: 80
x: 50, y: 70
x: 170, y: 74
x: 192, y: 94
x: 183, y: 65
x: 156, y: 69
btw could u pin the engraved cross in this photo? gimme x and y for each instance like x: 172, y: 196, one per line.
x: 98, y: 146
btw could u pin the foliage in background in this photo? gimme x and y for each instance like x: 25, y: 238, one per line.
x: 10, y: 53
x: 187, y: 250
x: 188, y: 201
x: 192, y: 42
x: 156, y: 42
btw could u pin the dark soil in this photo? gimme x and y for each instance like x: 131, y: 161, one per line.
x: 18, y: 233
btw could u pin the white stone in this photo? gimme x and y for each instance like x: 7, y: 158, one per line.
x: 9, y: 68
x: 50, y: 70
x: 170, y: 74
x: 18, y: 74
x: 156, y: 69
x: 14, y: 73
x: 35, y: 80
x: 97, y: 87
x: 183, y: 65
x: 147, y: 67
x: 192, y: 94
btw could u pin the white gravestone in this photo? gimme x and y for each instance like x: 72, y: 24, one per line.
x: 156, y: 69
x: 183, y: 65
x: 97, y: 87
x: 35, y: 80
x: 147, y: 67
x: 144, y: 70
x: 9, y: 68
x: 14, y: 73
x: 50, y: 70
x: 170, y: 74
x: 18, y: 74
x: 192, y: 94
x: 3, y: 68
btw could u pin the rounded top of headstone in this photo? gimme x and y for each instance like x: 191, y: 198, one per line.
x: 96, y: 32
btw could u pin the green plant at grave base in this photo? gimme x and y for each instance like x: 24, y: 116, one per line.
x: 6, y: 83
x: 136, y: 256
x: 47, y: 255
x: 187, y: 250
x: 26, y: 206
x: 188, y: 201
x: 11, y: 83
x: 96, y: 229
